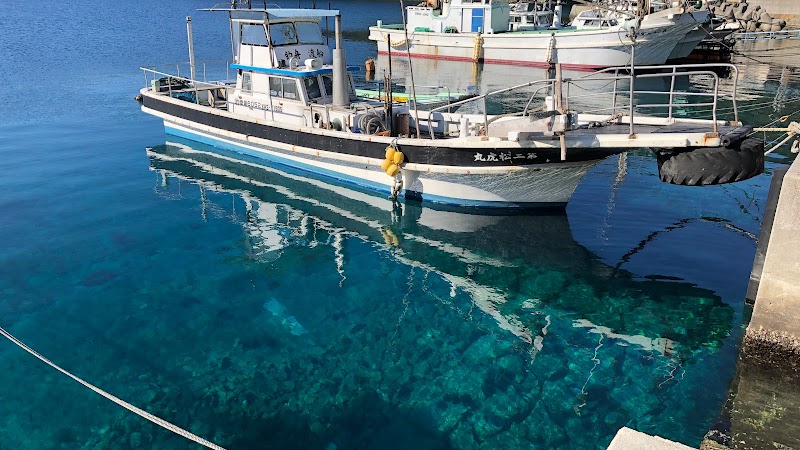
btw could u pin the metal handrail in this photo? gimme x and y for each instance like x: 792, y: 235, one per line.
x: 612, y: 74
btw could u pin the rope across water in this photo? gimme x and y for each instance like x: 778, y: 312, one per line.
x: 156, y: 420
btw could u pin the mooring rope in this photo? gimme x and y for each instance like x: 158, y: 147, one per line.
x: 156, y: 420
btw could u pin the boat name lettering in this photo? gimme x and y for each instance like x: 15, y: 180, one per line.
x: 503, y: 156
x: 257, y: 105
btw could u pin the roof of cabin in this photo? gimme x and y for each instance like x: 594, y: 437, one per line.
x: 283, y: 13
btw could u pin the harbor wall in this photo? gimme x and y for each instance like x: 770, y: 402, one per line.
x: 764, y: 400
x: 772, y: 338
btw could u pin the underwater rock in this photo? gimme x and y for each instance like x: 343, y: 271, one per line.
x: 462, y: 437
x: 547, y: 285
x: 281, y: 313
x: 448, y: 415
x: 509, y: 405
x: 480, y: 352
x: 98, y: 277
x: 486, y: 426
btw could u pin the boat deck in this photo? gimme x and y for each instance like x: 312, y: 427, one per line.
x: 674, y: 128
x: 675, y: 135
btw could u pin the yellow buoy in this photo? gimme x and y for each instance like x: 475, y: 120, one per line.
x: 390, y: 152
x: 385, y: 165
x: 392, y: 170
x: 398, y: 158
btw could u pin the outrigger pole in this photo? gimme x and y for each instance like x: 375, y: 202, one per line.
x: 191, y: 47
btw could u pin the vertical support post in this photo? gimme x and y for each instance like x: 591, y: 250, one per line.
x: 631, y: 133
x: 191, y: 47
x: 558, y: 100
x: 485, y: 118
x: 389, y: 95
x: 672, y: 91
x: 341, y: 93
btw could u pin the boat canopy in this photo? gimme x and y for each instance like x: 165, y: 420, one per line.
x: 282, y: 13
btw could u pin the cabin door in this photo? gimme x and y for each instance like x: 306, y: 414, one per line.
x: 477, y: 20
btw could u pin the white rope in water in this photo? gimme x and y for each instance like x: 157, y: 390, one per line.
x: 156, y: 420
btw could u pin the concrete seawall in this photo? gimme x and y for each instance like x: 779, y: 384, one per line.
x: 773, y: 335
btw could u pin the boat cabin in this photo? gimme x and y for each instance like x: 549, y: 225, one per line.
x: 283, y: 64
x: 532, y: 15
x: 594, y: 19
x: 459, y: 16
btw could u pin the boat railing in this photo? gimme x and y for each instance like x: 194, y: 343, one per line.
x: 208, y: 69
x: 767, y: 35
x: 169, y: 80
x: 619, y: 95
x: 243, y: 4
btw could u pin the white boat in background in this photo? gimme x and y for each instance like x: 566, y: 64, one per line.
x: 488, y: 32
x: 293, y: 102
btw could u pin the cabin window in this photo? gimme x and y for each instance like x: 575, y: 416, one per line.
x: 275, y: 87
x: 247, y: 82
x: 289, y: 88
x: 328, y: 82
x: 282, y: 34
x: 254, y: 35
x: 283, y: 87
x: 309, y: 33
x: 312, y: 87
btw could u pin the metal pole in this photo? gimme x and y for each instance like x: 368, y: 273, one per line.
x: 389, y: 95
x: 191, y: 46
x: 341, y: 91
x: 633, y: 75
x: 411, y: 72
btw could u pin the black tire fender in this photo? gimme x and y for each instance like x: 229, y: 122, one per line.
x: 715, y: 165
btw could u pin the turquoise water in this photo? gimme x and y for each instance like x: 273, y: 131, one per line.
x: 260, y: 308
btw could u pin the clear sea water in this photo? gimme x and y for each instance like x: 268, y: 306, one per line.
x: 261, y: 308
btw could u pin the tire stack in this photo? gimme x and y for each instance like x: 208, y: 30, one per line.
x: 750, y: 18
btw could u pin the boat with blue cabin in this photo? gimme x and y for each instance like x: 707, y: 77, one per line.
x: 292, y: 100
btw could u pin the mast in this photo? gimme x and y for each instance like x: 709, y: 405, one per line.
x: 341, y: 94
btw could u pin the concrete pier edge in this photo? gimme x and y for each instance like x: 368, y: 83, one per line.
x: 772, y: 338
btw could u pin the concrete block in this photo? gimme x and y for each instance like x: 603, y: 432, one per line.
x: 628, y: 439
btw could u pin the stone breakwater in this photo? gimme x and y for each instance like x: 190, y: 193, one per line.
x: 781, y: 9
x: 750, y: 16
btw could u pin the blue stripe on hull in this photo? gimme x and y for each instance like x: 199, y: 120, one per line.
x: 316, y: 170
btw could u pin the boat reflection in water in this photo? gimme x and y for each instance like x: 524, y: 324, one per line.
x: 593, y: 342
x: 463, y: 245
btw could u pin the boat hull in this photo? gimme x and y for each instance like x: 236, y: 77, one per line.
x: 478, y: 175
x: 583, y: 50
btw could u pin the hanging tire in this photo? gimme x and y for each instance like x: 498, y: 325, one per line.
x: 708, y: 166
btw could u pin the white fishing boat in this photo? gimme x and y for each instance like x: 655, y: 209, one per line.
x: 292, y: 101
x: 488, y: 32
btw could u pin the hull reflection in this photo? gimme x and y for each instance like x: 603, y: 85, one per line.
x: 524, y: 270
